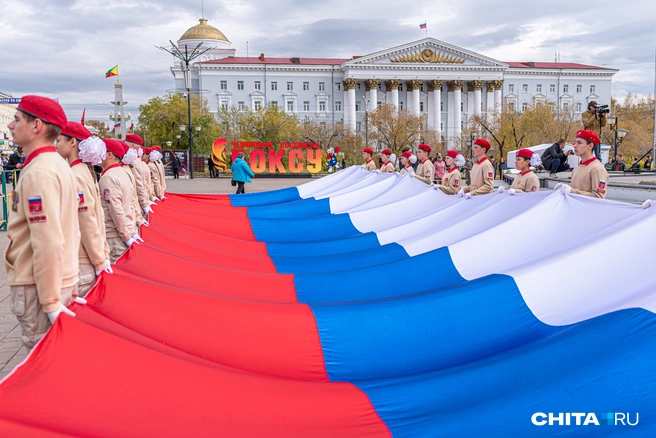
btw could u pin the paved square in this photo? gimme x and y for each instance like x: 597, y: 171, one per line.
x: 11, y: 351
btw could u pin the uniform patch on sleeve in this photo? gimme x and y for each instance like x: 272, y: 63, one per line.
x: 81, y: 209
x: 601, y: 187
x: 35, y: 219
x: 456, y: 182
x: 35, y: 203
x: 106, y: 195
x: 490, y: 176
x: 81, y: 195
x: 534, y: 189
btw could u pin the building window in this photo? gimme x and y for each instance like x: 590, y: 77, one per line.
x: 306, y: 86
x: 441, y: 126
x: 257, y: 105
x: 579, y: 88
x: 421, y: 87
x: 290, y: 86
x: 357, y: 86
x: 322, y: 86
x: 565, y: 88
x: 524, y: 106
x: 258, y: 85
x: 306, y: 106
x: 538, y: 88
x: 552, y: 88
x: 400, y: 105
x: 240, y: 85
x: 358, y: 126
x: 525, y: 88
x: 358, y: 105
x: 462, y: 106
x: 274, y: 86
x: 338, y: 106
x: 578, y: 107
x: 421, y: 106
x: 290, y: 106
x: 338, y: 86
x: 441, y: 106
x: 241, y: 106
x: 511, y: 88
x: 380, y: 87
x: 274, y: 103
x: 322, y: 106
x: 565, y: 105
x: 400, y: 87
x: 379, y: 103
x: 511, y: 106
x: 592, y: 88
x: 224, y: 85
x: 224, y: 104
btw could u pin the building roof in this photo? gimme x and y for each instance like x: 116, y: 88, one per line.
x: 203, y: 31
x: 290, y: 61
x: 555, y: 66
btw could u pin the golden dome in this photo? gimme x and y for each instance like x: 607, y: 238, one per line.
x: 203, y: 31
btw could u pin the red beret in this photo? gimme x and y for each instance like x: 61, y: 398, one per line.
x: 452, y: 153
x: 425, y: 147
x: 43, y: 108
x: 588, y: 135
x: 337, y: 149
x: 525, y: 153
x: 114, y: 146
x: 76, y: 130
x: 157, y: 148
x: 386, y: 152
x: 406, y: 154
x: 126, y: 147
x: 482, y: 142
x: 369, y: 150
x: 147, y: 150
x: 134, y: 138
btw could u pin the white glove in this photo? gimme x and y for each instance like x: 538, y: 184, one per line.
x: 501, y: 189
x: 80, y: 300
x: 558, y: 186
x: 377, y: 171
x: 565, y: 189
x: 412, y: 173
x: 436, y: 186
x: 148, y: 209
x: 137, y: 238
x: 511, y: 191
x: 153, y: 200
x: 145, y: 223
x: 52, y: 316
x: 131, y: 241
x: 461, y: 192
x: 107, y: 268
x: 151, y: 203
x: 467, y: 195
x: 646, y: 204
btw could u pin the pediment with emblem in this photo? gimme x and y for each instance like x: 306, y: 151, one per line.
x: 426, y: 52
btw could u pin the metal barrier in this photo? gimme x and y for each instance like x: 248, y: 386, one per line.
x: 6, y: 196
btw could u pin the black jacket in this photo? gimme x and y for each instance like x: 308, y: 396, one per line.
x: 13, y: 160
x: 553, y: 152
x: 175, y: 162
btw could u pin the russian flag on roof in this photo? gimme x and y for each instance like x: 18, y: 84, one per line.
x: 359, y: 304
x: 422, y: 26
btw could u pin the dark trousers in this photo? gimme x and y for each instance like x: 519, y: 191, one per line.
x: 240, y: 187
x: 556, y: 166
x: 597, y: 151
x: 176, y: 175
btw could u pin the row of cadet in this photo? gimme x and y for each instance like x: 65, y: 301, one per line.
x: 589, y: 178
x: 65, y: 226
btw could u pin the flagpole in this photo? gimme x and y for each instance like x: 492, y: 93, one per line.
x: 426, y: 22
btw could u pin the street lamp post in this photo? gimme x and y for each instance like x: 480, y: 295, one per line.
x: 619, y: 133
x: 183, y: 128
x: 186, y: 57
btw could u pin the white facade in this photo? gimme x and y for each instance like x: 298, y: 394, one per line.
x: 445, y: 83
x: 6, y: 116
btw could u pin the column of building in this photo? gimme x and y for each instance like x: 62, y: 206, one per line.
x: 350, y: 114
x: 415, y: 85
x: 497, y: 94
x: 393, y: 86
x: 476, y: 87
x: 435, y: 108
x: 371, y: 85
x: 455, y: 112
x: 490, y: 95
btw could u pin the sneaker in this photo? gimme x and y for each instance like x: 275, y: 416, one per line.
x: 553, y: 175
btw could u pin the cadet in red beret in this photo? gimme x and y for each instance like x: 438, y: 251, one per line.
x: 162, y: 173
x: 369, y: 164
x: 451, y: 180
x: 589, y: 178
x: 93, y: 253
x: 482, y: 173
x: 526, y: 181
x: 129, y: 157
x: 425, y: 169
x: 116, y: 191
x: 406, y: 165
x: 388, y: 166
x: 41, y: 259
x: 141, y: 174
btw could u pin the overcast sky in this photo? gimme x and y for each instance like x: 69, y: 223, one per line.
x: 63, y: 48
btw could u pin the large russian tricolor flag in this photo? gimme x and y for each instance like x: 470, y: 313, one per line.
x: 359, y: 304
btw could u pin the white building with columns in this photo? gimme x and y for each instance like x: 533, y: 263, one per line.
x: 445, y: 83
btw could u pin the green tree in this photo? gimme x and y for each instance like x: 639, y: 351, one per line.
x: 394, y: 129
x: 270, y: 124
x: 636, y: 115
x: 160, y: 117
